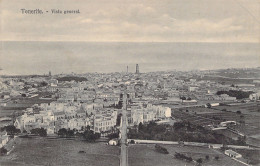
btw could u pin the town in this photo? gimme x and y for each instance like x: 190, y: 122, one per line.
x: 212, y: 109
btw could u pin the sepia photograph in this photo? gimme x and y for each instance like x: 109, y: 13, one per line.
x: 130, y: 83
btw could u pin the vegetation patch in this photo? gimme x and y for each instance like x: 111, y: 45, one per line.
x: 72, y: 78
x: 161, y: 149
x: 180, y: 131
x: 235, y: 93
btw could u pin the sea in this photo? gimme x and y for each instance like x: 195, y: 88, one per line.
x: 40, y: 57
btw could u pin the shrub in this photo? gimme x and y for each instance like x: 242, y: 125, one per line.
x: 90, y: 136
x: 132, y: 142
x: 39, y: 131
x: 238, y: 112
x: 113, y: 135
x: 3, y: 151
x: 161, y: 149
x: 189, y: 159
x: 182, y: 157
x: 11, y: 130
x: 199, y: 160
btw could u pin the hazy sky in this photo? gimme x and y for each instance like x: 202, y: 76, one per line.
x: 168, y: 21
x: 133, y: 20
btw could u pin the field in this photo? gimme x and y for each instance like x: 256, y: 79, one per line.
x: 251, y: 116
x: 200, y: 116
x: 248, y: 120
x: 42, y: 151
x: 145, y: 155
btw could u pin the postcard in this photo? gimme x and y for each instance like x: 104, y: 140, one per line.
x: 129, y: 83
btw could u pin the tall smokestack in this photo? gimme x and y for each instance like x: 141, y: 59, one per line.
x: 137, y: 69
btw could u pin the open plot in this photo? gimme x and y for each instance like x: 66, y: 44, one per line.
x: 247, y: 121
x: 251, y: 116
x: 145, y: 155
x: 194, y: 118
x: 245, y: 108
x: 42, y: 151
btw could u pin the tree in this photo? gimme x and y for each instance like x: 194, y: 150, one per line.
x: 182, y: 157
x: 39, y: 131
x: 43, y: 83
x: 113, y: 135
x: 207, y: 157
x: 3, y: 151
x: 90, y: 136
x: 70, y: 133
x: 179, y: 125
x: 216, y: 157
x: 189, y: 159
x: 161, y: 149
x: 11, y: 130
x: 118, y: 119
x: 236, y: 93
x: 183, y: 98
x: 62, y: 132
x: 199, y: 160
x: 238, y: 112
x: 132, y: 142
x: 88, y: 127
x: 42, y: 132
x: 140, y: 126
x: 208, y: 105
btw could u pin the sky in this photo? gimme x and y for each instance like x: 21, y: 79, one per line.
x: 133, y: 21
x: 164, y: 21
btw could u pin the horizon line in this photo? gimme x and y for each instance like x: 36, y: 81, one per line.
x: 174, y: 70
x: 86, y: 41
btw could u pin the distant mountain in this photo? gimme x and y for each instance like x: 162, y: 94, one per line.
x: 240, y: 73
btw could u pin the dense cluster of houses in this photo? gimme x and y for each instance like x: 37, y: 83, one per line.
x: 55, y: 116
x: 79, y: 116
x: 95, y: 101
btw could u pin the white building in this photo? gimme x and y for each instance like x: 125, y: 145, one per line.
x: 232, y: 154
x: 140, y: 114
x: 113, y: 142
x: 254, y: 96
x: 4, y: 138
x: 105, y: 121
